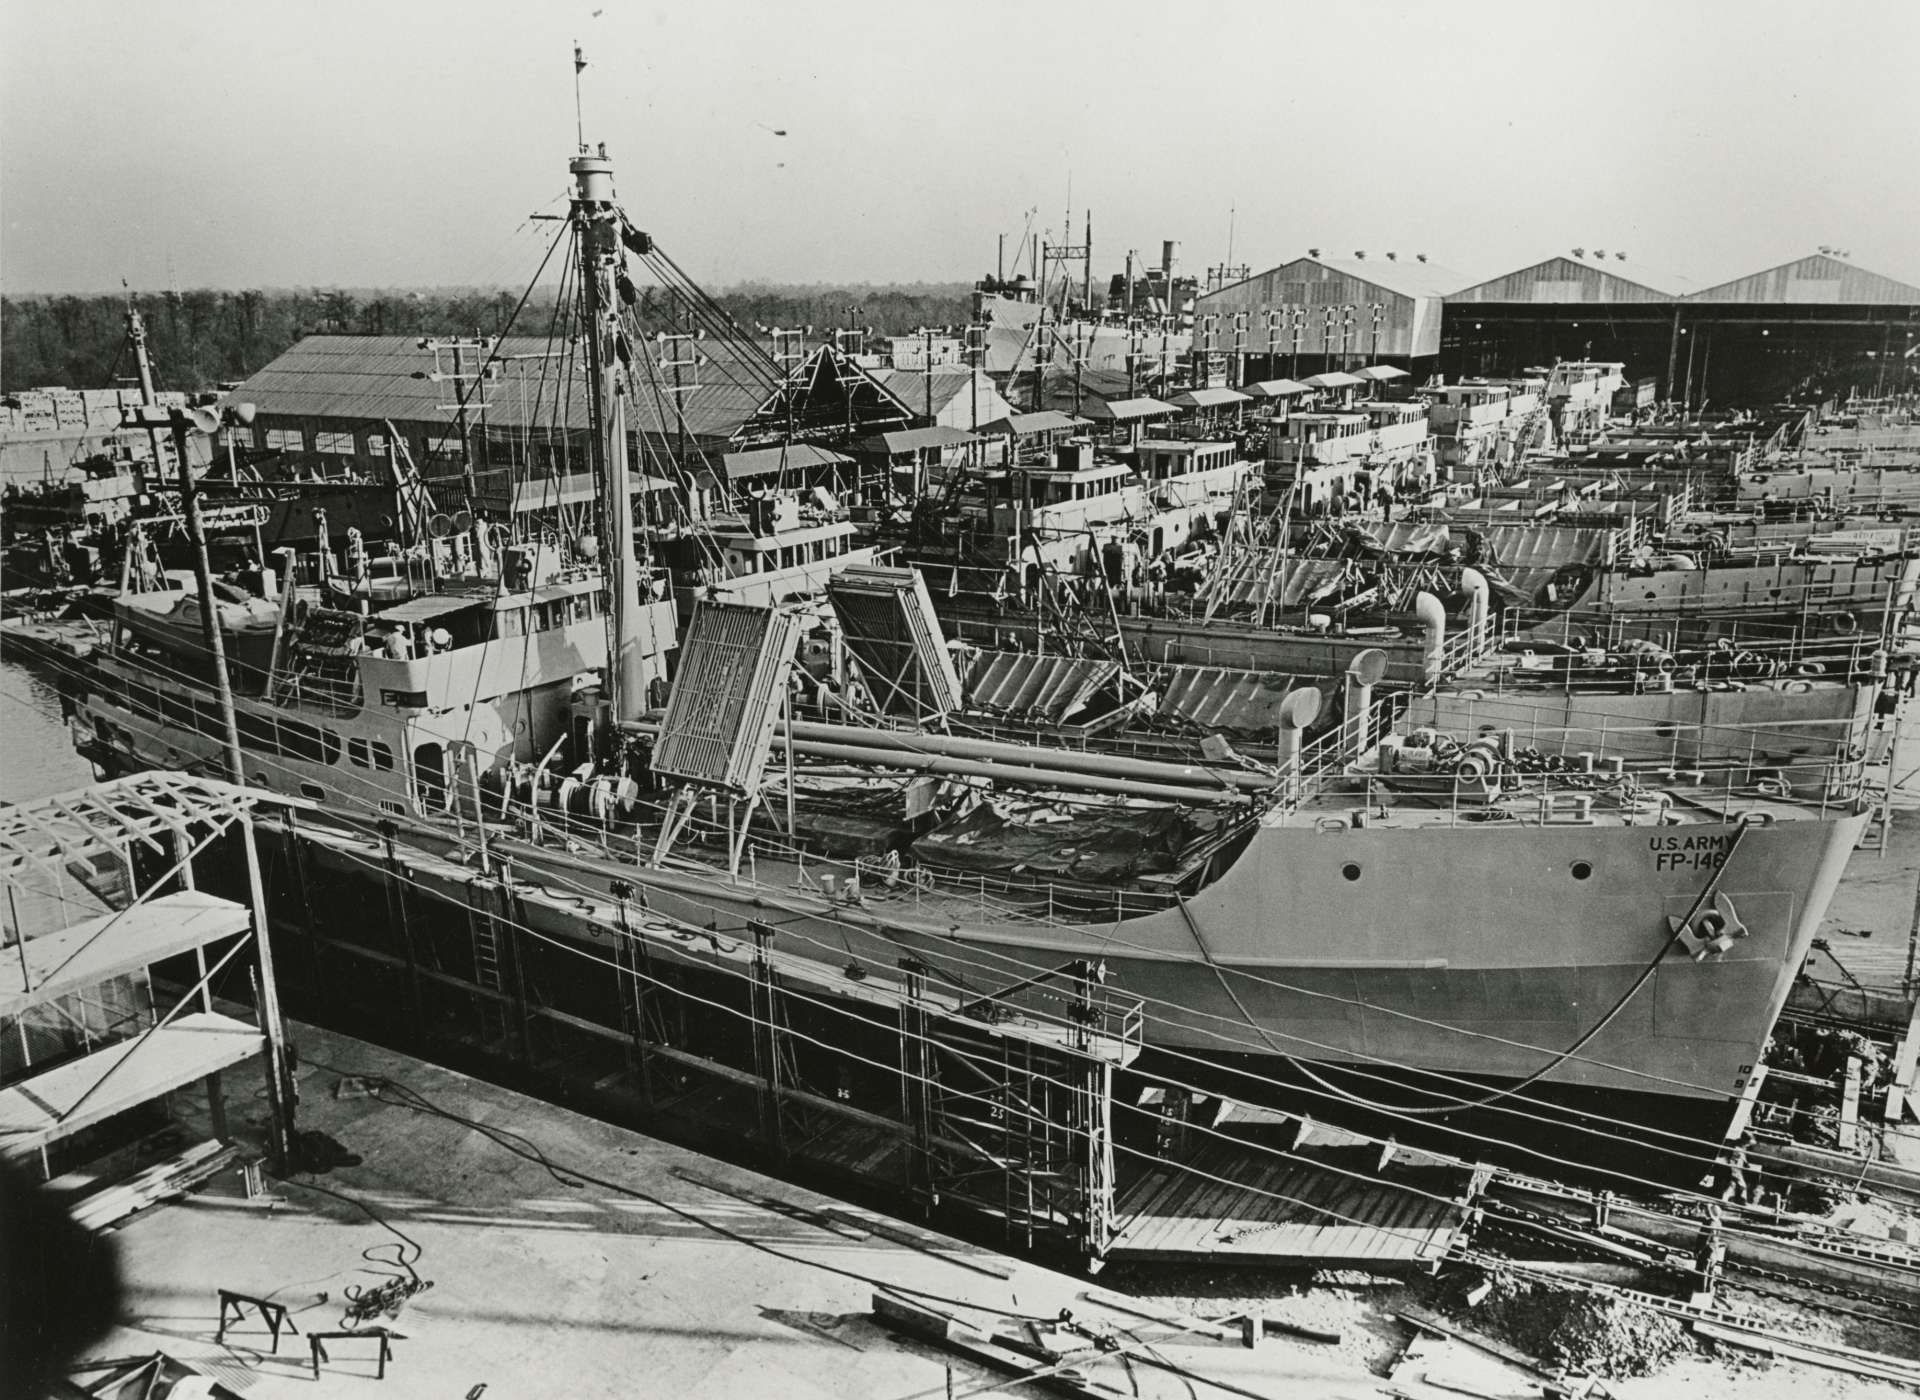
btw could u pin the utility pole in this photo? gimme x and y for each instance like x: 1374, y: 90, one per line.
x: 929, y: 368
x: 1086, y: 277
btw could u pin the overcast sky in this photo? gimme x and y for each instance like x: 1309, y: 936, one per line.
x: 405, y: 142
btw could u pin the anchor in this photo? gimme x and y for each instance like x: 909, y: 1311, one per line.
x: 1713, y: 933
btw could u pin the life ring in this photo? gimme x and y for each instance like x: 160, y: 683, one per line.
x: 1844, y: 622
x: 1809, y: 668
x: 1797, y: 687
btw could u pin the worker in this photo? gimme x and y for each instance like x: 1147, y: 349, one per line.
x: 439, y: 640
x: 399, y: 645
x: 1385, y: 496
x: 1739, y: 1184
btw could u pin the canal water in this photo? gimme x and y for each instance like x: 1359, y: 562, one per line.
x: 36, y: 756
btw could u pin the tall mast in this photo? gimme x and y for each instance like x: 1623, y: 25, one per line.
x: 596, y: 222
x: 137, y: 338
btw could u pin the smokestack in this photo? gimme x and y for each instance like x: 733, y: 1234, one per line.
x: 1169, y: 259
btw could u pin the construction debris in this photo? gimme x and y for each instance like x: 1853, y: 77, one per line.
x: 1582, y: 1332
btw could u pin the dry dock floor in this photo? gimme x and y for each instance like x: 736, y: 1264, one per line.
x: 695, y: 1279
x: 545, y: 1288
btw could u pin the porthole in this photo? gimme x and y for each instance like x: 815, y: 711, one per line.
x: 1350, y: 870
x: 1580, y: 869
x: 313, y: 791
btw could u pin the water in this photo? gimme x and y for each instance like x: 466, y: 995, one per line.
x: 36, y: 756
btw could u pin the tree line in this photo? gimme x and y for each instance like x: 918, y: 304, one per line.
x: 202, y: 338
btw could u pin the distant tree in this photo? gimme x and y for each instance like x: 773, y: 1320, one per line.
x: 201, y: 338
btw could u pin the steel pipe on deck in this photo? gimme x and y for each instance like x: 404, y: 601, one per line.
x: 1032, y: 755
x: 907, y: 752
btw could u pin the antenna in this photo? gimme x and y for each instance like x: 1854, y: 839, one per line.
x: 579, y: 120
x: 1231, y: 211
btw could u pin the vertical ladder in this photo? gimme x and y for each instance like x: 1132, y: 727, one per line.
x: 486, y: 948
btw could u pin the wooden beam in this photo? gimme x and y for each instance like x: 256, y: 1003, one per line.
x: 1900, y: 1094
x: 1849, y: 1139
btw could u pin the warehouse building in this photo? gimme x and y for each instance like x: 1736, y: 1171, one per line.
x: 1816, y: 327
x: 1321, y: 313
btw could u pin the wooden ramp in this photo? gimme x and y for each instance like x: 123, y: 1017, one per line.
x: 1232, y: 1201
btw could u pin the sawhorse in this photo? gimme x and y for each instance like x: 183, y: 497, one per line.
x: 317, y: 1340
x: 274, y: 1314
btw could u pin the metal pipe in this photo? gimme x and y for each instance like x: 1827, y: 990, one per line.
x: 1478, y: 592
x: 942, y: 766
x: 1025, y: 755
x: 1433, y: 618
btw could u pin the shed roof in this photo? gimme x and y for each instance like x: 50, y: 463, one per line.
x: 1379, y: 372
x: 1278, y: 389
x: 1333, y: 379
x: 1028, y: 424
x: 916, y: 439
x: 1125, y: 410
x: 763, y: 461
x: 1209, y: 398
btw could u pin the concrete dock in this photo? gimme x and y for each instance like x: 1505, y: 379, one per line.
x: 678, y: 1276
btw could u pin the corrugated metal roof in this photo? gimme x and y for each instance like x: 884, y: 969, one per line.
x: 1126, y: 410
x: 763, y: 461
x: 1027, y: 424
x: 910, y: 386
x: 916, y: 439
x: 1816, y: 279
x: 367, y: 378
x: 1209, y: 398
x: 1566, y: 280
x: 1022, y: 684
x: 1215, y: 700
x: 1408, y: 276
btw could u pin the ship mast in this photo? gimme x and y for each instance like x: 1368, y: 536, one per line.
x: 137, y: 338
x: 597, y: 227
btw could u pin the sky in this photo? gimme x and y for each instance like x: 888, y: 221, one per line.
x: 406, y: 142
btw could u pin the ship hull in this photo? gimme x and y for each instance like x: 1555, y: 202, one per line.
x: 1488, y: 952
x: 1476, y: 957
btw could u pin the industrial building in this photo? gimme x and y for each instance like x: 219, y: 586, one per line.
x: 1814, y: 327
x: 1817, y: 326
x: 1315, y: 314
x: 336, y: 400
